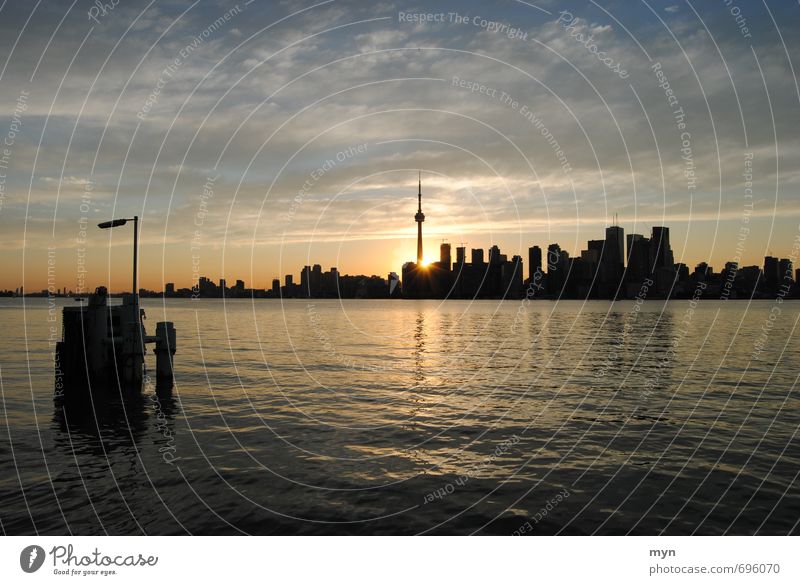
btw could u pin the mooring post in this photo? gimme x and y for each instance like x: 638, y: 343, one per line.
x: 165, y: 350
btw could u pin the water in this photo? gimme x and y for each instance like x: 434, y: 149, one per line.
x: 316, y: 417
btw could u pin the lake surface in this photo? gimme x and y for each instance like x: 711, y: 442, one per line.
x: 367, y: 416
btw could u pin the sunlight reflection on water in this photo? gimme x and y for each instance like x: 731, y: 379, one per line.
x: 326, y: 416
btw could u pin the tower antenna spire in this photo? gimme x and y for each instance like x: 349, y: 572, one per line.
x: 419, y: 218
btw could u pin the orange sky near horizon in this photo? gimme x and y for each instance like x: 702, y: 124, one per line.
x: 159, y: 263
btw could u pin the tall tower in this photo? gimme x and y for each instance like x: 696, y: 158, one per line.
x: 419, y: 218
x: 534, y: 262
x: 614, y: 252
x: 444, y: 256
x: 660, y: 250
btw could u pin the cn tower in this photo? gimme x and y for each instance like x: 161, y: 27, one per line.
x: 419, y: 218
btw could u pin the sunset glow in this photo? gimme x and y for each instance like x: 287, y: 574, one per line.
x: 514, y: 150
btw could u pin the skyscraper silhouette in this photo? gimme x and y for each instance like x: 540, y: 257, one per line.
x: 461, y: 255
x: 534, y: 261
x: 772, y: 271
x: 639, y: 266
x: 444, y: 256
x: 660, y: 250
x: 612, y: 261
x: 419, y: 218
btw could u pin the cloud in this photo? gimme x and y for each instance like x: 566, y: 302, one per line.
x: 555, y: 139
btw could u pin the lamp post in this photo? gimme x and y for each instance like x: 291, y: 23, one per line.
x: 131, y: 348
x: 118, y: 222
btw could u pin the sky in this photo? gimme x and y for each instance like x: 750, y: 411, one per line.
x: 255, y: 138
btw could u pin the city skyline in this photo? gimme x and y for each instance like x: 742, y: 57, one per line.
x: 618, y: 266
x: 607, y: 265
x: 747, y: 254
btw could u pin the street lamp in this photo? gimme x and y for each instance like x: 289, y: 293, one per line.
x: 118, y: 222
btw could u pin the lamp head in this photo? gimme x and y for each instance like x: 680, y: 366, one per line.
x: 112, y: 223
